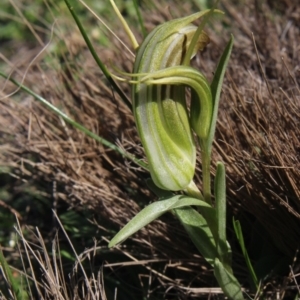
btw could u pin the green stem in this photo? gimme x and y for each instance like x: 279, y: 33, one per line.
x: 193, y: 191
x: 206, y: 158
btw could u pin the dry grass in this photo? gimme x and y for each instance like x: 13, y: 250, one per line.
x: 259, y: 128
x: 257, y: 136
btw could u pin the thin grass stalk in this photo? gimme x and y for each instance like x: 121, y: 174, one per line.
x: 96, y: 57
x: 75, y: 124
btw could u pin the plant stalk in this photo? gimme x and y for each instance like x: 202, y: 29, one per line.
x: 206, y: 159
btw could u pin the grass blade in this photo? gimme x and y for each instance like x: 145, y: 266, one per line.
x: 75, y: 124
x: 9, y: 278
x: 138, y: 13
x: 96, y: 57
x: 239, y: 234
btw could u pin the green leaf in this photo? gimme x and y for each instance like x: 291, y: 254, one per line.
x: 151, y: 213
x: 216, y: 87
x: 198, y: 231
x: 227, y: 282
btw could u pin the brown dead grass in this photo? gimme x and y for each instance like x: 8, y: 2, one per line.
x: 259, y: 128
x: 257, y: 137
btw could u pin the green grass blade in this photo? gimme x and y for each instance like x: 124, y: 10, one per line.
x: 96, y: 57
x: 199, y: 232
x: 216, y: 87
x: 239, y: 234
x: 75, y: 124
x: 152, y: 212
x: 138, y: 13
x: 10, y: 280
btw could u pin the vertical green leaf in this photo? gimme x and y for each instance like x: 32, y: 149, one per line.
x: 220, y: 196
x: 216, y: 87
